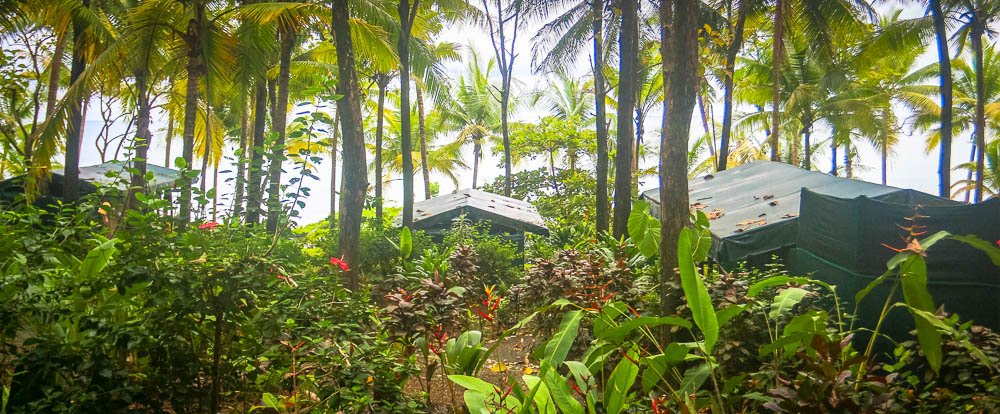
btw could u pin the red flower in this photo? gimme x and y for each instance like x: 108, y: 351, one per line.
x: 998, y: 243
x: 339, y: 263
x: 208, y: 225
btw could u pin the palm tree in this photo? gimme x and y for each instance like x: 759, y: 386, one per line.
x: 349, y: 110
x: 444, y: 159
x: 945, y: 76
x: 628, y: 40
x: 561, y: 41
x: 473, y: 111
x: 732, y: 52
x: 817, y: 20
x: 990, y: 182
x: 978, y: 15
x: 680, y: 68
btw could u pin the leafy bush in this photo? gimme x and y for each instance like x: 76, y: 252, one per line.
x: 150, y: 320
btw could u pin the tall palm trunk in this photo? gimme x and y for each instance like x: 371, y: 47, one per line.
x: 422, y: 133
x: 406, y: 17
x: 254, y: 190
x: 333, y: 170
x: 71, y: 165
x: 727, y: 98
x: 278, y: 126
x: 634, y: 170
x: 833, y: 153
x: 603, y: 210
x: 355, y: 168
x: 477, y: 154
x: 383, y: 82
x: 241, y: 165
x: 680, y: 91
x: 629, y: 46
x: 777, y: 57
x: 944, y: 68
x: 169, y: 139
x: 978, y: 28
x: 142, y: 136
x: 195, y: 66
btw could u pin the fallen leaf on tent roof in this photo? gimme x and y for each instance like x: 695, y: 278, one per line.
x: 789, y: 215
x: 773, y: 203
x: 714, y: 214
x: 762, y: 215
x: 698, y: 206
x: 769, y: 196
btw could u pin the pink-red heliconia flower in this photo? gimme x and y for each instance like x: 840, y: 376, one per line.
x: 208, y: 225
x: 339, y: 263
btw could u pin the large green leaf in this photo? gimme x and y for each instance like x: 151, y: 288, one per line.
x: 913, y: 274
x: 558, y: 347
x: 405, y: 242
x: 695, y: 292
x: 756, y: 288
x: 541, y: 395
x: 658, y: 364
x: 616, y: 392
x: 785, y: 301
x: 473, y: 383
x: 618, y: 333
x: 644, y: 229
x: 97, y: 258
x: 990, y: 249
x: 561, y: 392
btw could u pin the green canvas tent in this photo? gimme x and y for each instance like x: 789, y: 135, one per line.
x: 843, y: 241
x: 754, y: 208
x: 505, y: 214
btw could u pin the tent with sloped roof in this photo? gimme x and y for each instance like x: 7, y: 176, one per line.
x: 505, y: 214
x: 754, y: 208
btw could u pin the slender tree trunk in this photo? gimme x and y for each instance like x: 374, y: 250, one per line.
x: 207, y: 151
x: 406, y: 25
x: 142, y: 136
x: 970, y: 173
x: 333, y: 170
x: 704, y: 125
x: 241, y: 165
x: 194, y: 72
x: 885, y: 161
x: 848, y: 161
x: 978, y: 28
x: 254, y: 190
x: 634, y: 170
x: 169, y: 139
x: 833, y: 154
x: 74, y: 135
x: 603, y: 211
x: 807, y: 140
x: 777, y: 58
x: 355, y: 167
x: 383, y: 82
x: 944, y: 67
x: 215, y: 192
x: 629, y: 46
x: 505, y: 131
x: 476, y: 155
x: 422, y: 132
x: 278, y: 125
x: 730, y: 72
x: 680, y: 91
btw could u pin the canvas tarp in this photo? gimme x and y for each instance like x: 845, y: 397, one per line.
x: 757, y: 205
x: 507, y: 215
x: 842, y: 241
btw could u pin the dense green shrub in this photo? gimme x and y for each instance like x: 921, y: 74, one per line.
x: 150, y: 319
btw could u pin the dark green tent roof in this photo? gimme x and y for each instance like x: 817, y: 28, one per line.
x: 505, y: 213
x: 754, y: 207
x: 116, y: 173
